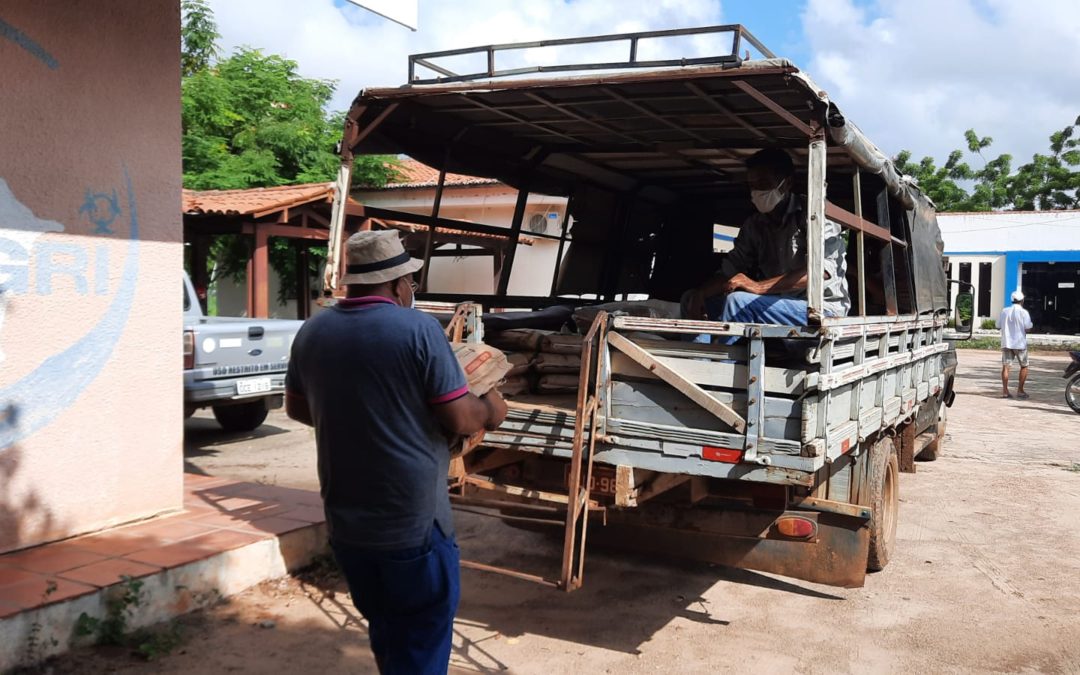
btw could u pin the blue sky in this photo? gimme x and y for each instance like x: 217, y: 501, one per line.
x: 913, y: 74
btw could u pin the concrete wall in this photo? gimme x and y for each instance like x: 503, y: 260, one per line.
x: 997, y: 281
x: 1010, y: 231
x: 90, y: 264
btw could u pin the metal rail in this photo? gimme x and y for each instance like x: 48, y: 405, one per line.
x: 576, y: 500
x: 738, y: 33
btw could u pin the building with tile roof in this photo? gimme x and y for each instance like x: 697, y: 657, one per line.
x: 465, y: 267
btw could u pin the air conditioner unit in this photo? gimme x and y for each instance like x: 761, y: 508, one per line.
x: 543, y: 223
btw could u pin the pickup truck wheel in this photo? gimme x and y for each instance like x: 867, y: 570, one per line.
x: 241, y: 416
x: 884, y: 503
x: 933, y: 449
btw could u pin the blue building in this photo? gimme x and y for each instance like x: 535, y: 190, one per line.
x: 1037, y: 252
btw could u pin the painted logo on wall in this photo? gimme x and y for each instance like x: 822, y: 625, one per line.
x: 37, y: 398
x: 29, y: 261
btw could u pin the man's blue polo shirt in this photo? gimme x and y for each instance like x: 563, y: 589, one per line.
x: 371, y: 373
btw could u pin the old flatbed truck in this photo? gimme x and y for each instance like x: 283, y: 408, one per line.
x: 778, y: 453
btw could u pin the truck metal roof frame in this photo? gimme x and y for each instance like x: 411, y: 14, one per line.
x: 665, y: 134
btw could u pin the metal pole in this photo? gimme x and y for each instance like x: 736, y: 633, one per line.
x: 815, y: 227
x: 562, y: 243
x: 860, y: 244
x: 515, y: 235
x: 429, y: 244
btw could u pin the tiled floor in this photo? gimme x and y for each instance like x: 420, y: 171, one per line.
x: 219, y: 515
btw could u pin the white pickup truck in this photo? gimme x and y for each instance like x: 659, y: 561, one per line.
x: 234, y: 365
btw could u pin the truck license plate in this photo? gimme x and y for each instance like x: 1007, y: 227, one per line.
x: 258, y: 385
x: 602, y: 481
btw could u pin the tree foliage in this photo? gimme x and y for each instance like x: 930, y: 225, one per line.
x: 198, y: 36
x: 251, y: 120
x: 1050, y: 181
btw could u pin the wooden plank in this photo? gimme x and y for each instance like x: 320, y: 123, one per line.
x: 783, y: 381
x: 657, y: 403
x: 667, y: 374
x: 692, y: 350
x: 724, y: 110
x: 660, y: 484
x: 429, y: 241
x: 515, y: 235
x: 773, y: 106
x: 260, y: 274
x: 857, y: 223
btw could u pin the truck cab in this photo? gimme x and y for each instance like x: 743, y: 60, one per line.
x: 236, y: 366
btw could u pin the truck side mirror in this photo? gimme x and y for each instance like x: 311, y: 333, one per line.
x: 965, y: 312
x: 963, y: 317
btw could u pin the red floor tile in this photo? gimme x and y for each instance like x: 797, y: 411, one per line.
x: 8, y: 609
x: 51, y: 558
x: 115, y: 543
x: 275, y: 525
x: 193, y: 481
x: 310, y: 514
x: 109, y: 572
x: 169, y: 530
x: 13, y: 575
x: 225, y: 520
x: 237, y: 504
x: 34, y: 593
x: 195, y: 549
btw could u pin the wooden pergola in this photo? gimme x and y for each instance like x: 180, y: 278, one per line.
x: 301, y: 213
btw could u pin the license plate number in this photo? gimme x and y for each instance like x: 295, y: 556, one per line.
x: 601, y: 482
x: 256, y: 386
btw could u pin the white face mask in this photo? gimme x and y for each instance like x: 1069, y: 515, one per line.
x: 767, y: 200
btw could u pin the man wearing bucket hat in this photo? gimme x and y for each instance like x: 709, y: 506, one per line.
x: 1014, y: 322
x: 383, y: 389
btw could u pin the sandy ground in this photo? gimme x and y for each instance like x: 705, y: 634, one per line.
x: 985, y: 578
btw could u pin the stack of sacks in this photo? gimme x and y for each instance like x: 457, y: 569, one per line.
x: 541, y: 361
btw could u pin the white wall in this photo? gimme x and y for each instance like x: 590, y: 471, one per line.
x: 486, y: 205
x: 997, y: 280
x: 1010, y: 231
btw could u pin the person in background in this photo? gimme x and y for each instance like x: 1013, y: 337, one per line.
x: 383, y: 389
x: 1014, y: 322
x: 763, y: 278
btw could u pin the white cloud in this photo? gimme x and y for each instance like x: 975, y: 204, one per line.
x: 913, y: 74
x: 360, y: 49
x: 916, y: 74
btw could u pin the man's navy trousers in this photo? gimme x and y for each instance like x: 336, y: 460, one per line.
x: 409, y: 598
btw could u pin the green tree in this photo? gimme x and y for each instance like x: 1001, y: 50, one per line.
x: 251, y: 120
x: 939, y: 183
x: 198, y: 37
x: 1046, y: 182
x: 1050, y: 181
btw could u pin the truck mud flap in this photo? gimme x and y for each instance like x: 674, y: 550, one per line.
x: 749, y: 539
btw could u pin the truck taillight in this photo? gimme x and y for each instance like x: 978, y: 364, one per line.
x: 796, y: 527
x: 189, y: 349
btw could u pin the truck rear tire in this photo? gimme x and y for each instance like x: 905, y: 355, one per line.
x: 884, y: 502
x: 933, y: 449
x: 241, y: 416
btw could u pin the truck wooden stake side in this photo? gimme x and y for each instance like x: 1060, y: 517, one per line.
x: 779, y: 451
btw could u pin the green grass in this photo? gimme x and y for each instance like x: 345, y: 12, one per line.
x: 994, y: 343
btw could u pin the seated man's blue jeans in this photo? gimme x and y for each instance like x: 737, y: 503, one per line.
x: 409, y: 598
x: 744, y: 307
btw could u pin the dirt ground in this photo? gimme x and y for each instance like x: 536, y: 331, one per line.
x: 985, y: 577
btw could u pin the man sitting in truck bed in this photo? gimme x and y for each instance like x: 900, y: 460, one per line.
x: 763, y: 279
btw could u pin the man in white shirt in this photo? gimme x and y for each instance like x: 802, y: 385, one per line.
x: 1014, y: 323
